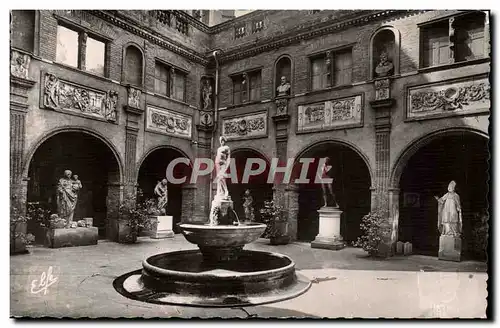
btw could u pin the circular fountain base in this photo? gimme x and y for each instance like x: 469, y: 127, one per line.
x: 187, y: 278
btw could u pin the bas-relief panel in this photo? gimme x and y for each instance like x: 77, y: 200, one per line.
x: 168, y: 122
x: 247, y: 126
x: 331, y: 114
x: 466, y: 96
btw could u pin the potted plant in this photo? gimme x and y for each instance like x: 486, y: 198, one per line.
x: 277, y: 223
x: 19, y: 238
x: 40, y: 215
x: 374, y: 227
x: 133, y: 217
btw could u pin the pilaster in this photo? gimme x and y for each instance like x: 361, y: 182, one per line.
x: 134, y: 110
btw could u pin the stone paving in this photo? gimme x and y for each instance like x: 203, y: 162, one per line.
x: 346, y: 283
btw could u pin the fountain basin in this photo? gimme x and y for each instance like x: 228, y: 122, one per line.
x: 219, y: 243
x: 185, y: 277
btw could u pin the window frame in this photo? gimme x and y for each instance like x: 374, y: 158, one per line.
x: 172, y: 72
x: 83, y: 34
x: 247, y: 75
x: 330, y: 68
x: 449, y: 19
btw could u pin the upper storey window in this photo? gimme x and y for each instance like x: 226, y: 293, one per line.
x: 456, y: 39
x: 333, y: 68
x: 23, y: 29
x: 246, y: 87
x: 77, y: 49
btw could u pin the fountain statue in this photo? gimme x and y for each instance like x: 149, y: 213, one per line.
x: 220, y: 273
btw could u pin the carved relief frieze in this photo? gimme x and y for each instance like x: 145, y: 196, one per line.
x: 69, y: 97
x: 168, y: 122
x: 281, y: 106
x: 247, y: 126
x: 134, y: 97
x: 382, y: 89
x: 452, y: 98
x: 331, y: 114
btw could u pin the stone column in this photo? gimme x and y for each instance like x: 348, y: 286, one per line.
x: 382, y: 105
x: 203, y: 183
x: 188, y: 209
x: 292, y: 207
x: 20, y: 85
x: 281, y: 121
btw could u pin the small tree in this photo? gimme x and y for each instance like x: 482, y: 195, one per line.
x: 271, y: 214
x: 136, y: 213
x: 374, y: 227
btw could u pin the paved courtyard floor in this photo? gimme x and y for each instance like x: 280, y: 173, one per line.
x: 346, y: 283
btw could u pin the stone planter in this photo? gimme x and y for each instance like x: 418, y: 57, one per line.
x: 69, y: 237
x: 126, y: 235
x: 280, y: 234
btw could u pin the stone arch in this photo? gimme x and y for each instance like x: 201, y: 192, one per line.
x: 415, y: 145
x: 133, y: 64
x: 346, y: 143
x: 63, y: 129
x: 153, y: 149
x: 397, y: 48
x: 277, y: 73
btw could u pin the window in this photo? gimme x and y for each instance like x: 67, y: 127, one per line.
x: 78, y: 49
x: 456, y: 39
x: 239, y: 31
x: 246, y: 87
x: 23, y: 29
x: 162, y: 80
x: 257, y: 26
x: 331, y: 69
x: 179, y: 84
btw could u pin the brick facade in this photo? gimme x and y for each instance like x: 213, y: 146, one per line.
x: 296, y: 34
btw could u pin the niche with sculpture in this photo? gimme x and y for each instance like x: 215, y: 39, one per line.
x: 283, y: 75
x: 385, y: 53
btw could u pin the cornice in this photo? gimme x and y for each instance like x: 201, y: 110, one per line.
x: 295, y: 36
x: 235, y: 21
x: 126, y: 23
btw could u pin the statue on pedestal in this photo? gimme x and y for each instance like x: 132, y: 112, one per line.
x: 450, y: 213
x: 248, y: 205
x: 327, y: 188
x: 162, y: 193
x: 222, y: 160
x: 67, y: 196
x: 284, y: 88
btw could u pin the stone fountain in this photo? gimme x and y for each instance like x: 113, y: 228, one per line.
x: 220, y: 273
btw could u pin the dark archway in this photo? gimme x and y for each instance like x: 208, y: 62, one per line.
x: 459, y: 156
x: 94, y: 163
x: 259, y: 188
x: 351, y: 185
x: 153, y: 169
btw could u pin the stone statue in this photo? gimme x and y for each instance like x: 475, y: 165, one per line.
x: 162, y: 194
x: 206, y: 94
x: 450, y: 213
x: 51, y: 91
x: 134, y: 98
x: 67, y: 196
x: 327, y: 188
x: 385, y: 66
x: 284, y: 88
x: 248, y: 205
x: 222, y: 160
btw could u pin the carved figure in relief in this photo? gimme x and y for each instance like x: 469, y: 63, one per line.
x: 284, y: 88
x: 67, y: 196
x: 51, y: 91
x: 450, y: 212
x: 19, y: 64
x: 134, y: 98
x: 162, y: 193
x: 248, y: 205
x: 384, y: 66
x: 327, y: 188
x: 222, y: 160
x: 110, y: 105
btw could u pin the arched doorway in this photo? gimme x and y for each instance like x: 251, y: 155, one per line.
x: 259, y: 188
x: 94, y: 163
x: 459, y: 156
x: 153, y: 169
x: 351, y: 185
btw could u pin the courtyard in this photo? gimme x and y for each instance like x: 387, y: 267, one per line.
x: 345, y: 283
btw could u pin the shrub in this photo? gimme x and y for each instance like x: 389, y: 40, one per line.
x: 271, y: 214
x: 136, y: 212
x: 374, y: 228
x: 16, y: 222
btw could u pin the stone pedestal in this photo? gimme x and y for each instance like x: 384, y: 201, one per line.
x: 68, y: 237
x: 224, y: 209
x: 450, y: 248
x: 329, y: 229
x: 162, y: 227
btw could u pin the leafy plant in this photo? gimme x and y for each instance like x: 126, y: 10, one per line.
x: 39, y: 213
x: 136, y: 213
x: 272, y: 214
x: 16, y: 222
x: 374, y: 227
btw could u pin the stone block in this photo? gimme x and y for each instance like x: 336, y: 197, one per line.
x: 69, y: 237
x: 162, y: 227
x: 329, y: 230
x: 450, y: 248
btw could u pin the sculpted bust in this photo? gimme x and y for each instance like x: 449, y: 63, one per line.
x: 385, y: 66
x: 284, y: 88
